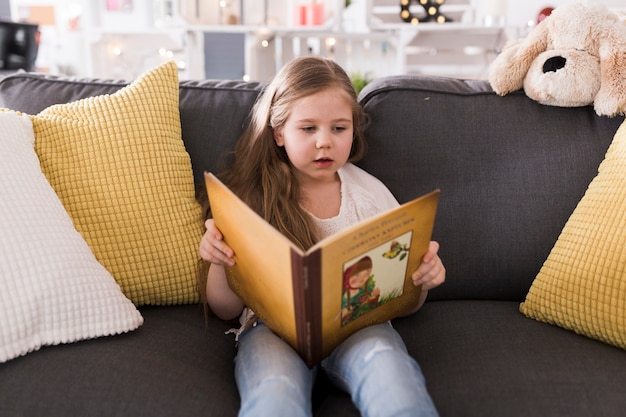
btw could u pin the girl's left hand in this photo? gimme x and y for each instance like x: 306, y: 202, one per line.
x: 431, y: 273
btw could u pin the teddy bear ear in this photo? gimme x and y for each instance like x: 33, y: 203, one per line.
x: 500, y: 76
x: 611, y: 99
x: 508, y: 70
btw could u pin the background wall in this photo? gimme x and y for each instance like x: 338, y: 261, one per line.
x: 82, y: 37
x: 5, y: 9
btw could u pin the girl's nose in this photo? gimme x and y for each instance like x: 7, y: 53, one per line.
x: 323, y: 140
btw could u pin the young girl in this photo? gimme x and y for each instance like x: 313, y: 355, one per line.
x: 293, y: 166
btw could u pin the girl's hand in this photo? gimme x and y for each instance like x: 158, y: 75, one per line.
x: 212, y: 247
x: 431, y: 273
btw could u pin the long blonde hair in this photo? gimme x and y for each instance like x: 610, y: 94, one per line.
x: 262, y: 174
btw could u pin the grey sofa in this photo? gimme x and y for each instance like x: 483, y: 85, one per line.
x: 511, y: 171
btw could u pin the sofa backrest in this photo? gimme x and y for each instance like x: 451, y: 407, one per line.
x: 510, y: 170
x: 213, y: 112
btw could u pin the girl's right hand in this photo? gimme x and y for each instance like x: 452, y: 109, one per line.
x: 212, y: 247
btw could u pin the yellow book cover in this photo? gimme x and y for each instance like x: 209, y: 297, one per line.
x: 316, y: 299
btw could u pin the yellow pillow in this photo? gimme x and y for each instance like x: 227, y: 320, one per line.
x: 582, y: 284
x: 120, y: 168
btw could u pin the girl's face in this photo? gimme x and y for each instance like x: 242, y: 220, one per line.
x: 360, y: 278
x: 318, y: 135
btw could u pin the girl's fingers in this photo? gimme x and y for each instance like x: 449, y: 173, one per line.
x: 212, y: 248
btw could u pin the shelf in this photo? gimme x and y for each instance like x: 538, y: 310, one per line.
x: 439, y: 27
x: 258, y: 28
x: 387, y: 46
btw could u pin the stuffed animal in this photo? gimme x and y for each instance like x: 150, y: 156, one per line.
x: 574, y: 57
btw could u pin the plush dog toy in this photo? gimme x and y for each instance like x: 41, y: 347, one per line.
x: 574, y: 57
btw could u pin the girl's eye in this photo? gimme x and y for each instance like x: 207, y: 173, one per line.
x: 339, y: 128
x: 308, y: 129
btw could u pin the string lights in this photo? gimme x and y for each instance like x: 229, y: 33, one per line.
x: 431, y: 9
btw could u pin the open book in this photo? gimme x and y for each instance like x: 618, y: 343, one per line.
x: 316, y: 299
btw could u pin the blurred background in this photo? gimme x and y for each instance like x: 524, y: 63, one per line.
x: 250, y: 39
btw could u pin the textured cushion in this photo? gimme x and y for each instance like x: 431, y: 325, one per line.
x: 53, y: 290
x: 119, y: 165
x: 582, y: 284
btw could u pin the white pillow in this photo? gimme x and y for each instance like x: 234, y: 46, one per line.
x: 52, y: 288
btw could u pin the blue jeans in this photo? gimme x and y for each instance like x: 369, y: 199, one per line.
x: 372, y: 365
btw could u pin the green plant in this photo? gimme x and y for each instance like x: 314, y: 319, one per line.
x: 359, y: 81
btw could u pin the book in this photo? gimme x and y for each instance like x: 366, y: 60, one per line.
x: 317, y: 298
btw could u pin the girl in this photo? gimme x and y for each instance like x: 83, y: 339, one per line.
x: 360, y: 293
x: 293, y: 166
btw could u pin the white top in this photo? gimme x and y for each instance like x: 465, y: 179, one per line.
x: 362, y: 196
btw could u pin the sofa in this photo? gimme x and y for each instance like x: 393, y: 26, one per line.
x: 511, y: 173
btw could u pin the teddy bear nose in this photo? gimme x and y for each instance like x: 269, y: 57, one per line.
x: 553, y: 64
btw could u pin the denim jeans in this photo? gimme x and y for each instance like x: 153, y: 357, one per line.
x: 372, y: 365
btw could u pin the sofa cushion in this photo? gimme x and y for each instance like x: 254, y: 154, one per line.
x: 120, y: 167
x: 483, y: 358
x: 53, y: 288
x: 173, y: 365
x: 582, y: 284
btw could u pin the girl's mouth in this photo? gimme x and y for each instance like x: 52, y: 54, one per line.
x: 323, y: 162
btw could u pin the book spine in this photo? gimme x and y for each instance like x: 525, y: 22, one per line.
x: 308, y: 305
